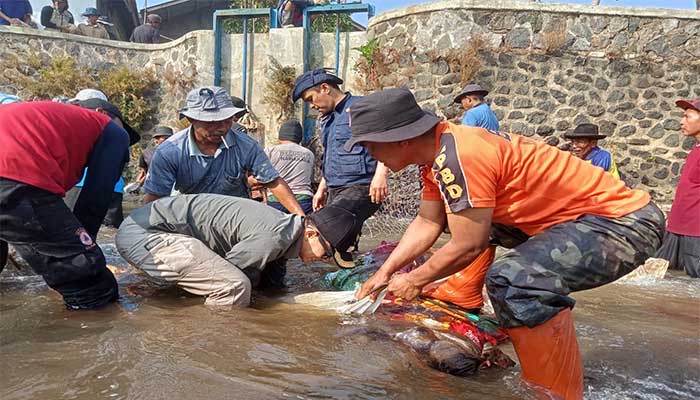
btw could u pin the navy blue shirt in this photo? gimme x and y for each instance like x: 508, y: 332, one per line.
x: 178, y: 163
x: 340, y: 167
x: 481, y: 116
x: 15, y: 9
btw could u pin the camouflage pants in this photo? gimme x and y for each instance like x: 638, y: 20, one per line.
x: 530, y: 283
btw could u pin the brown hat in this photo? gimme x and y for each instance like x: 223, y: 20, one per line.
x: 585, y: 131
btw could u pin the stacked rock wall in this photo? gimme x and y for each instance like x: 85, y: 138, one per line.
x: 551, y: 67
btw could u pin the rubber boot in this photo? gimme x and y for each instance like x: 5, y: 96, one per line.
x: 549, y: 357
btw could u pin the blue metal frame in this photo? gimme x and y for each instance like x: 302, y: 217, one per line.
x: 330, y: 9
x: 245, y: 14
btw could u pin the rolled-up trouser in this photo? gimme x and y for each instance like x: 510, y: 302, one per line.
x: 54, y: 243
x: 529, y: 284
x: 682, y: 252
x: 185, y: 261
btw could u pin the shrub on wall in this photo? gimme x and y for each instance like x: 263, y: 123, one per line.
x: 278, y: 89
x: 129, y: 90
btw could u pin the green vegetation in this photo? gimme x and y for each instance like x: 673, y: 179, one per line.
x: 321, y: 23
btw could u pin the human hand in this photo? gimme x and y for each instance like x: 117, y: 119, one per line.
x: 378, y: 188
x: 375, y: 281
x: 402, y: 286
x: 319, y: 199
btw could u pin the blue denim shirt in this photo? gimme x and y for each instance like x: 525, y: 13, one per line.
x: 340, y: 167
x: 481, y: 116
x: 178, y: 163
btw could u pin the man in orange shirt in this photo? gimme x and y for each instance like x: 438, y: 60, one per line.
x: 571, y: 225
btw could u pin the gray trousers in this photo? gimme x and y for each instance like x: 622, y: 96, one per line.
x: 185, y: 261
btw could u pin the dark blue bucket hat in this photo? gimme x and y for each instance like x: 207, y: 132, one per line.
x: 313, y: 78
x: 90, y: 11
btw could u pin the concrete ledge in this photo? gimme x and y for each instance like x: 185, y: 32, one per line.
x: 558, y: 8
x: 49, y: 34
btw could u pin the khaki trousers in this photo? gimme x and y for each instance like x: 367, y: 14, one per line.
x: 185, y: 261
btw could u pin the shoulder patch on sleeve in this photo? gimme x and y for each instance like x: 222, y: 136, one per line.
x: 449, y: 175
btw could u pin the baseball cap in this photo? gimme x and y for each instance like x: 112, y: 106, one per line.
x: 313, y: 78
x: 387, y: 116
x: 686, y: 104
x: 86, y: 94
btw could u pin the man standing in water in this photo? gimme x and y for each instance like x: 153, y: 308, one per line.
x: 577, y: 226
x: 681, y: 246
x: 45, y: 147
x: 212, y: 155
x: 353, y: 177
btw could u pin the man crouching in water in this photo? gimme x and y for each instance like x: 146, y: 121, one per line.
x: 222, y: 247
x: 572, y: 236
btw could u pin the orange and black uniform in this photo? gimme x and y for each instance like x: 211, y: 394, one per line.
x: 585, y: 228
x: 577, y: 228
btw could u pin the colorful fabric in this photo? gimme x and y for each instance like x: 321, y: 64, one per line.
x: 481, y: 116
x: 603, y: 159
x: 684, y: 218
x: 531, y: 283
x: 530, y: 185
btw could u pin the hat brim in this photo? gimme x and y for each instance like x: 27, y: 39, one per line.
x: 210, y: 116
x: 597, y: 137
x: 460, y: 96
x: 684, y: 104
x: 343, y: 259
x: 406, y: 132
x: 134, y: 136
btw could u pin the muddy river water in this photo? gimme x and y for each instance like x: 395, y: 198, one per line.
x: 638, y: 341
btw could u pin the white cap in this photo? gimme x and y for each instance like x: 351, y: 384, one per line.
x: 87, y: 94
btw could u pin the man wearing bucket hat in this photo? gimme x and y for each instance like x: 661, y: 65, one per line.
x: 477, y: 111
x: 681, y: 245
x: 46, y: 146
x: 92, y: 28
x: 212, y: 156
x: 223, y: 255
x: 295, y: 164
x: 584, y: 145
x: 473, y: 178
x: 351, y: 175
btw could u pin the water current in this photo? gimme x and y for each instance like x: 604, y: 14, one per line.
x: 638, y: 341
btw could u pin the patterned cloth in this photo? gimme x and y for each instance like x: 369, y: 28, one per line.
x: 530, y: 284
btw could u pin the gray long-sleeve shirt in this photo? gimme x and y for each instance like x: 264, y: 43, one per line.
x: 244, y: 232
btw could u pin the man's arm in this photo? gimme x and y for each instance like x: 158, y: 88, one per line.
x: 420, y: 235
x: 281, y: 191
x: 379, y: 187
x: 162, y: 173
x: 470, y: 236
x: 105, y: 165
x: 319, y: 199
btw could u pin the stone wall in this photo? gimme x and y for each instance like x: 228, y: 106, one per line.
x: 176, y: 58
x: 190, y: 57
x: 550, y: 67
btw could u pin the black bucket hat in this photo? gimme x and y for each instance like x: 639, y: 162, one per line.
x: 585, y: 131
x: 313, y: 78
x: 162, y: 131
x: 471, y: 88
x: 387, y: 116
x: 111, y: 109
x: 341, y: 228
